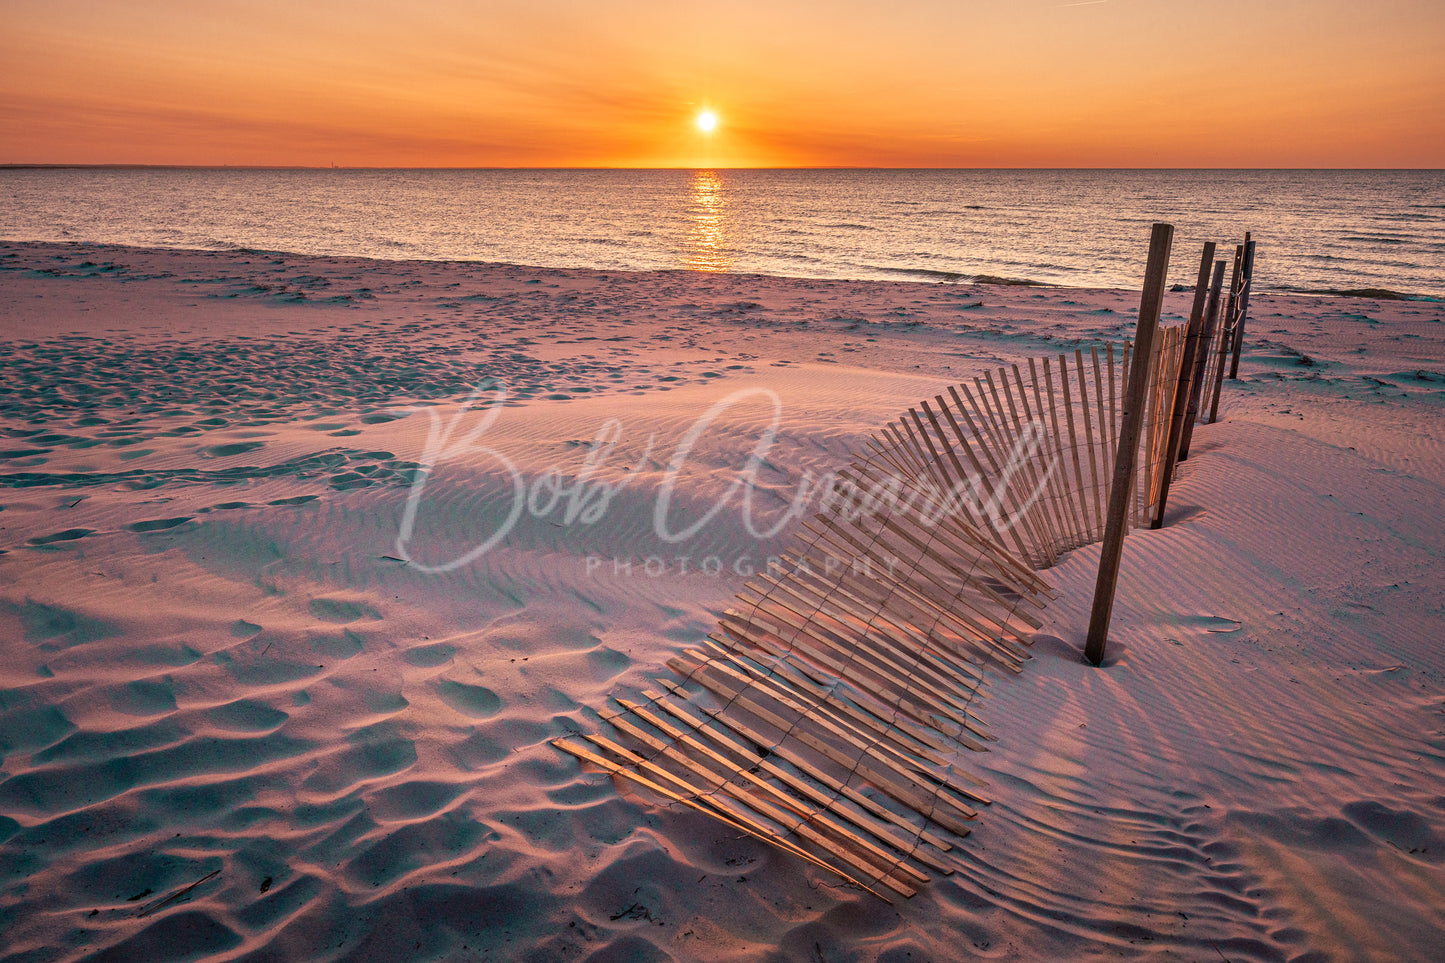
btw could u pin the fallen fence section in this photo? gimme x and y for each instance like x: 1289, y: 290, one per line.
x: 829, y: 712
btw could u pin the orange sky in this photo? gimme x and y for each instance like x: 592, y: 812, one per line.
x: 927, y: 83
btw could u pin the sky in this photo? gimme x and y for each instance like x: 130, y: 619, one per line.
x: 620, y: 83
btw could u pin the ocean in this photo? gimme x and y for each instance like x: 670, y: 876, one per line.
x: 1318, y: 230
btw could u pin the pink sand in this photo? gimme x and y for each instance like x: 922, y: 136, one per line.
x: 213, y: 660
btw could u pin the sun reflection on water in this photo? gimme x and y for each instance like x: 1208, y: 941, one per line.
x: 705, y: 248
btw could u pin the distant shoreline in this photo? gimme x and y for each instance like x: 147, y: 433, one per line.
x: 919, y: 277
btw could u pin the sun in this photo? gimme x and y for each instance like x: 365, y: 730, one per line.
x: 706, y: 121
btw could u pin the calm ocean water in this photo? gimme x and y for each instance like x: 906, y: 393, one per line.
x: 1317, y: 230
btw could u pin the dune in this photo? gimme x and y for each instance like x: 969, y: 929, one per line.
x: 305, y: 561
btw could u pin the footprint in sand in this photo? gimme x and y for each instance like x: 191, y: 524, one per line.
x: 1210, y: 623
x: 342, y: 611
x: 26, y: 726
x: 411, y: 800
x: 246, y: 715
x: 165, y: 655
x: 144, y: 698
x: 470, y: 700
x: 15, y: 453
x: 342, y: 646
x: 1410, y: 833
x: 293, y: 500
x: 69, y: 535
x: 158, y: 524
x: 429, y: 656
x: 235, y: 448
x: 607, y: 663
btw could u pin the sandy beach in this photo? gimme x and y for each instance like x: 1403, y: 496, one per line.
x: 303, y: 562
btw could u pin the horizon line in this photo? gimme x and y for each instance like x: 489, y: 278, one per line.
x: 701, y: 167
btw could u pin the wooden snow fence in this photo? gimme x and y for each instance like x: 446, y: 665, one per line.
x: 831, y: 711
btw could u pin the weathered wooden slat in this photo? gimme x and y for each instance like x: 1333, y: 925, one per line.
x: 1042, y: 478
x: 818, y: 786
x: 1106, y: 467
x: 756, y: 629
x: 1048, y: 530
x: 978, y: 552
x: 996, y: 508
x: 749, y: 686
x: 957, y: 531
x: 973, y: 628
x: 899, y: 611
x: 797, y: 824
x: 887, y: 657
x: 802, y: 765
x: 1201, y: 361
x: 1020, y: 513
x: 846, y: 716
x: 882, y: 781
x: 898, y: 581
x: 1226, y: 336
x: 967, y: 491
x: 998, y: 645
x: 1067, y: 504
x: 1082, y: 508
x: 813, y: 824
x: 893, y: 640
x: 752, y: 829
x: 880, y: 771
x: 1246, y: 283
x: 859, y: 820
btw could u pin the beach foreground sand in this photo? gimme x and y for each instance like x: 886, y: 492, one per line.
x: 218, y: 668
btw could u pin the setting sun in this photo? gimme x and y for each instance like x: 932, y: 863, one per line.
x: 661, y: 458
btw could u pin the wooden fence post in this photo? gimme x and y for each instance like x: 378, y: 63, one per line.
x: 1155, y: 275
x: 1201, y: 360
x: 1243, y: 306
x: 1183, y: 382
x: 1226, y: 336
